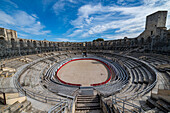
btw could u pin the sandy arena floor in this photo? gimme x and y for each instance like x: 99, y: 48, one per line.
x: 84, y: 72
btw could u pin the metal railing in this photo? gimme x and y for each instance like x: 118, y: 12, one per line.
x: 123, y: 100
x: 124, y: 105
x: 36, y: 96
x: 61, y: 106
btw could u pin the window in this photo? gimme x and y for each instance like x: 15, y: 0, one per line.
x: 151, y: 32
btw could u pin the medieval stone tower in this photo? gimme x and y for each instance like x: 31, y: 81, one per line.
x: 155, y: 20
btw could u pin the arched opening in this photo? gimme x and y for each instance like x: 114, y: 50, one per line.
x: 2, y: 41
x: 49, y: 44
x: 28, y: 43
x: 54, y: 44
x: 132, y: 42
x: 13, y: 43
x: 149, y: 40
x: 21, y: 43
x: 136, y: 41
x: 40, y: 44
x: 101, y: 43
x: 45, y: 44
x: 124, y: 41
x: 142, y: 40
x: 34, y: 44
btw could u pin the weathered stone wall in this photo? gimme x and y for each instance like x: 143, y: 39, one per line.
x: 157, y: 41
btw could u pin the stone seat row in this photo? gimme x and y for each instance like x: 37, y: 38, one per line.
x: 140, y: 76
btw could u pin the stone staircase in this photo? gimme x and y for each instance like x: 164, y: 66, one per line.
x: 88, y: 103
x: 157, y: 103
x: 7, y: 72
x: 14, y: 103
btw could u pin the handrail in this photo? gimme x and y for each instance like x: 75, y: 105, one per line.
x: 30, y: 93
x: 141, y: 92
x: 57, y: 106
x: 148, y: 88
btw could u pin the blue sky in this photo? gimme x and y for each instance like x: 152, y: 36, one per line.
x: 78, y: 20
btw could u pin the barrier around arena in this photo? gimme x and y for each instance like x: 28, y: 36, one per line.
x: 75, y: 59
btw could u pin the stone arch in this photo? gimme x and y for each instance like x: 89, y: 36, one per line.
x: 21, y: 43
x: 128, y: 43
x: 142, y: 40
x: 136, y: 41
x: 149, y: 39
x: 13, y: 43
x: 54, y: 44
x: 34, y: 43
x: 40, y: 44
x: 101, y: 43
x: 132, y: 42
x: 45, y: 44
x: 124, y: 41
x: 49, y: 44
x: 28, y: 43
x: 2, y: 41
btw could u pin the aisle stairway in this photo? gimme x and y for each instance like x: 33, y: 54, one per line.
x: 88, y: 103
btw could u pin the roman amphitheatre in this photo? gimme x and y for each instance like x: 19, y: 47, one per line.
x: 113, y: 76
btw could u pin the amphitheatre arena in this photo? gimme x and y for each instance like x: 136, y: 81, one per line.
x: 125, y: 75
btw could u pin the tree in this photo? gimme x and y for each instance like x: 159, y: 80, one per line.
x: 98, y: 39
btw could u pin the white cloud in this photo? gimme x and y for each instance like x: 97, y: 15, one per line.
x: 72, y: 1
x: 65, y: 40
x: 97, y: 19
x: 76, y: 32
x: 22, y: 35
x: 58, y: 6
x: 34, y: 15
x: 11, y: 3
x: 119, y: 36
x: 23, y: 22
x: 6, y: 19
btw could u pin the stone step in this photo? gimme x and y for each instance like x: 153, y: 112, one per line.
x: 151, y: 103
x: 89, y: 111
x: 13, y: 100
x: 84, y: 97
x: 26, y: 105
x: 88, y: 96
x: 163, y: 106
x: 88, y: 108
x: 88, y: 104
x: 14, y: 108
x: 88, y: 101
x: 144, y: 106
x: 3, y: 108
x: 10, y: 95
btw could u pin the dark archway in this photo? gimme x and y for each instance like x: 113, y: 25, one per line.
x: 3, y: 42
x: 34, y: 44
x: 45, y: 44
x: 142, y: 40
x: 49, y: 44
x: 21, y: 43
x: 136, y: 41
x: 13, y: 43
x: 28, y: 44
x: 149, y: 39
